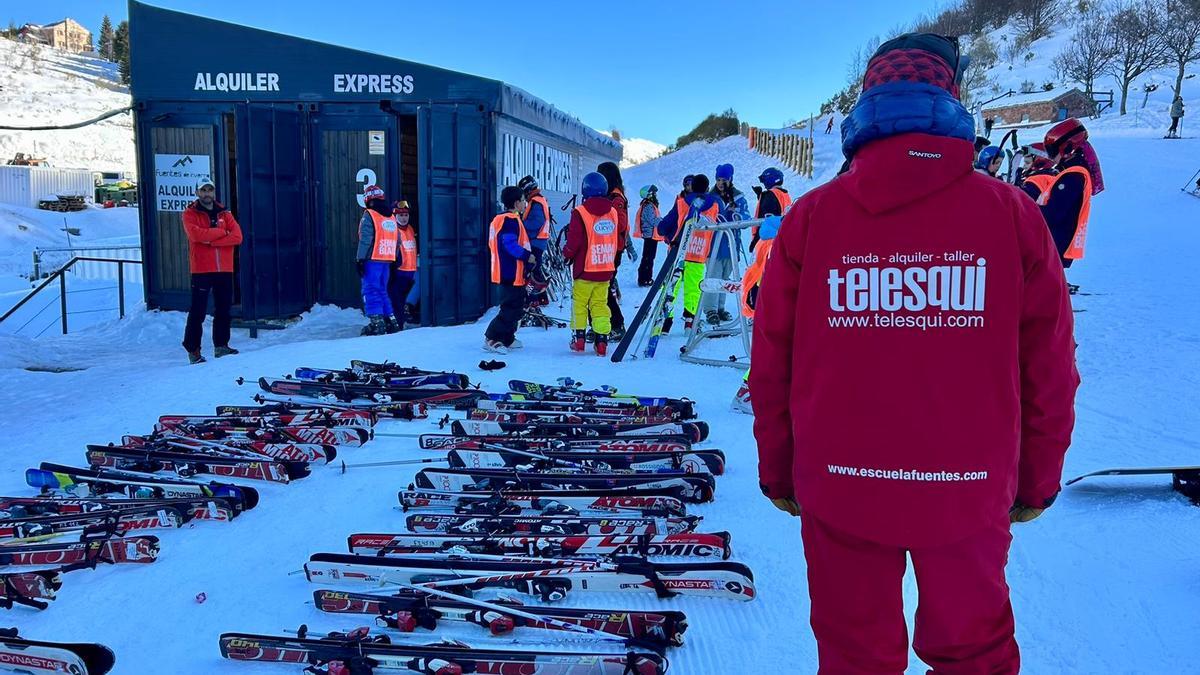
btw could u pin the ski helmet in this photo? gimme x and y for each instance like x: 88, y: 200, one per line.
x: 527, y: 184
x: 594, y: 185
x: 1065, y: 138
x: 986, y: 156
x: 648, y: 191
x: 724, y: 172
x: 700, y: 183
x: 770, y: 177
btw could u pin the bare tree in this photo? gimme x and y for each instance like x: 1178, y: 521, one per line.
x: 858, y: 62
x: 1089, y: 52
x: 1139, y: 33
x: 1182, y: 36
x: 1035, y: 18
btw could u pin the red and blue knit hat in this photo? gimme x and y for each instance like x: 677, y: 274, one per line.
x: 917, y: 57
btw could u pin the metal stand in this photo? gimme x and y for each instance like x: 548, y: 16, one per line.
x: 739, y: 326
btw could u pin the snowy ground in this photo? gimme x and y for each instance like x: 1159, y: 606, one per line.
x: 1105, y: 582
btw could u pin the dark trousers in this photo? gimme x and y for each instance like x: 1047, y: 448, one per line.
x: 398, y: 287
x: 503, y: 328
x: 221, y: 286
x: 1174, y: 125
x: 646, y: 265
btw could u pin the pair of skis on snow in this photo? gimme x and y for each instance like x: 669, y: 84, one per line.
x: 33, y: 657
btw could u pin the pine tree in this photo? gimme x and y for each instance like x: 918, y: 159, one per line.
x: 106, y: 38
x: 120, y: 47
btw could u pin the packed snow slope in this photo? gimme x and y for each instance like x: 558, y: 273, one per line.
x: 45, y: 86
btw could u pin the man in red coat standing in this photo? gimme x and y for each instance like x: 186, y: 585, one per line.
x: 914, y: 377
x: 213, y: 234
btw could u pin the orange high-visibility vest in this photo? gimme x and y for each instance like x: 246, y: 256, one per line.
x: 408, y: 250
x: 785, y: 202
x: 543, y: 233
x: 753, y: 275
x: 601, y: 234
x: 494, y: 246
x: 681, y: 213
x: 1043, y: 181
x: 1079, y: 239
x: 700, y: 243
x: 637, y: 223
x: 386, y: 236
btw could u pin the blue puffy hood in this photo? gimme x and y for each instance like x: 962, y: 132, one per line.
x: 901, y: 108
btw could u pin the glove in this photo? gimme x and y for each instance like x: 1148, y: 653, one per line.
x: 630, y: 251
x: 1020, y: 513
x: 361, y: 266
x: 788, y: 505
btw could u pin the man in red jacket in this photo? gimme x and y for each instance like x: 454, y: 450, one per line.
x: 914, y: 377
x: 213, y: 233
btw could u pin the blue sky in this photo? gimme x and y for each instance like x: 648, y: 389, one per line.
x: 650, y: 69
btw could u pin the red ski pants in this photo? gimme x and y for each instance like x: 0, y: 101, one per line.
x: 964, y: 621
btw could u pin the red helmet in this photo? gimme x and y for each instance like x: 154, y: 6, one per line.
x: 1065, y: 137
x: 372, y: 192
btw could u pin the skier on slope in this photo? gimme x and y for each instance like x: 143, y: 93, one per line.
x: 378, y: 239
x: 595, y: 240
x: 720, y: 265
x: 644, y: 227
x: 697, y: 246
x: 899, y: 421
x: 751, y: 285
x: 1067, y: 203
x: 773, y: 199
x: 511, y: 256
x: 404, y: 272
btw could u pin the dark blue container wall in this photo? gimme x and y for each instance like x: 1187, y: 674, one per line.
x: 275, y: 269
x: 455, y: 177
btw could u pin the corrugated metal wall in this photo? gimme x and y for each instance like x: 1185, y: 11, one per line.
x: 27, y: 185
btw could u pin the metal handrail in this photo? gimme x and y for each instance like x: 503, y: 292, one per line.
x: 37, y: 253
x: 61, y: 275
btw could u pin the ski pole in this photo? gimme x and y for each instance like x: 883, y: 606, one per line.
x: 397, y: 435
x: 534, y: 455
x: 508, y: 609
x: 403, y: 462
x: 178, y: 441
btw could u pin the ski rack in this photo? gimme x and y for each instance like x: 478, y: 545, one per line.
x: 701, y: 331
x: 1192, y: 187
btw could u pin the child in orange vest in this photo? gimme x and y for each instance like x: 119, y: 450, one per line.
x: 594, y: 240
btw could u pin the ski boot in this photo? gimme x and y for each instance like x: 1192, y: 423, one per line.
x: 724, y: 316
x: 741, y: 400
x: 601, y: 345
x: 226, y: 350
x: 494, y: 346
x: 589, y: 336
x: 390, y: 326
x: 688, y: 320
x: 515, y: 344
x: 616, y: 334
x: 712, y: 317
x: 577, y: 341
x: 666, y: 325
x: 196, y: 357
x: 376, y: 327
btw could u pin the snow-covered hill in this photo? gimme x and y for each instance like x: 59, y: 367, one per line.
x: 667, y: 172
x: 40, y: 85
x: 637, y: 150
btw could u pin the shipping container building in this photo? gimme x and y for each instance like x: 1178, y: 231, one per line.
x: 291, y: 130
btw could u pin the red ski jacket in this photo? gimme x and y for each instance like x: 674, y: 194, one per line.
x: 211, y: 244
x: 914, y: 370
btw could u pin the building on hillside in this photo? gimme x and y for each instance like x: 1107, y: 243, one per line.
x: 68, y: 35
x: 291, y: 130
x: 1039, y: 107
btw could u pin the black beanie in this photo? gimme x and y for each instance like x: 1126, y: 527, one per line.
x: 699, y: 183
